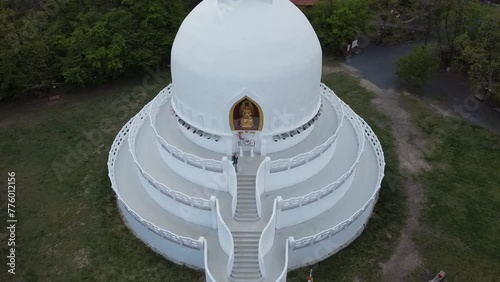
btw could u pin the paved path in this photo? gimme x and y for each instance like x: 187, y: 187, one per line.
x: 447, y: 92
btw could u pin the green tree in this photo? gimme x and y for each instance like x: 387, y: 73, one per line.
x: 25, y: 55
x: 82, y: 42
x: 453, y: 18
x: 479, y: 52
x: 94, y: 51
x: 337, y: 23
x: 384, y: 9
x: 418, y: 66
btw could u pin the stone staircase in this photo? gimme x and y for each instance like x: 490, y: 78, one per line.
x: 246, y: 260
x: 246, y: 207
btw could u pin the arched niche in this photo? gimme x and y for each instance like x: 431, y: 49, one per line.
x: 246, y: 115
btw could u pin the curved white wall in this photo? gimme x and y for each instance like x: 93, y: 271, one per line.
x: 278, y: 180
x: 181, y: 206
x: 320, y: 248
x: 210, y: 179
x: 311, y: 206
x: 210, y: 144
x: 272, y: 147
x: 181, y: 250
x: 175, y: 252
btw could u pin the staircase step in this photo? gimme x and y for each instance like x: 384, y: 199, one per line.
x: 253, y: 270
x: 246, y: 256
x: 249, y: 260
x: 246, y: 238
x: 246, y: 265
x: 245, y: 278
x: 245, y: 218
x: 237, y: 235
x: 246, y: 189
x: 246, y: 233
x: 250, y: 193
x: 246, y: 185
x: 246, y: 213
x: 247, y: 249
x: 247, y: 206
x: 246, y: 197
x: 247, y: 275
x: 246, y: 200
x: 246, y: 210
x: 240, y: 197
x: 253, y: 245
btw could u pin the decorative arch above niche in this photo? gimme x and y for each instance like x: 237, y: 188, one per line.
x: 246, y: 115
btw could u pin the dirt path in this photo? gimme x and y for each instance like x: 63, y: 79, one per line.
x: 410, y: 146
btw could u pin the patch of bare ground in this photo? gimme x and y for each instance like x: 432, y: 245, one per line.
x: 81, y: 259
x: 410, y: 145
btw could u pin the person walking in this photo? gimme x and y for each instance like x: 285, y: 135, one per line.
x: 235, y: 162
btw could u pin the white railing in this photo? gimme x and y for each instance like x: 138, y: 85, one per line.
x: 307, y: 241
x: 232, y: 185
x: 225, y: 239
x: 296, y: 202
x: 208, y: 275
x: 202, y: 163
x: 115, y: 148
x: 266, y: 240
x: 195, y: 202
x: 260, y: 184
x: 304, y: 158
x: 282, y: 277
x: 323, y: 235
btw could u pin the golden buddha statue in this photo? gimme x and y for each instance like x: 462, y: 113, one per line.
x: 246, y: 112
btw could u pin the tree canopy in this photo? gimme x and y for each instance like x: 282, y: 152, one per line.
x: 84, y: 42
x: 338, y: 23
x: 418, y: 66
x: 479, y: 52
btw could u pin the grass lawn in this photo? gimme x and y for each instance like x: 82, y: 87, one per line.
x: 71, y: 230
x: 461, y: 232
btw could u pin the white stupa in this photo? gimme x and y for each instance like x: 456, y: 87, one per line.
x: 246, y: 79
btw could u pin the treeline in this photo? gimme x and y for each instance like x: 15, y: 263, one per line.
x: 44, y: 43
x: 461, y: 35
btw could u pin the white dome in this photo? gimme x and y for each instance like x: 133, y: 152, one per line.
x: 264, y: 49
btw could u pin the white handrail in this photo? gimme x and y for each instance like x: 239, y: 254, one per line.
x: 296, y: 202
x: 282, y: 277
x: 226, y: 240
x: 260, y: 184
x: 296, y: 244
x: 208, y: 275
x: 115, y: 149
x: 303, y: 158
x: 195, y: 202
x: 267, y: 237
x: 232, y: 185
x: 202, y: 163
